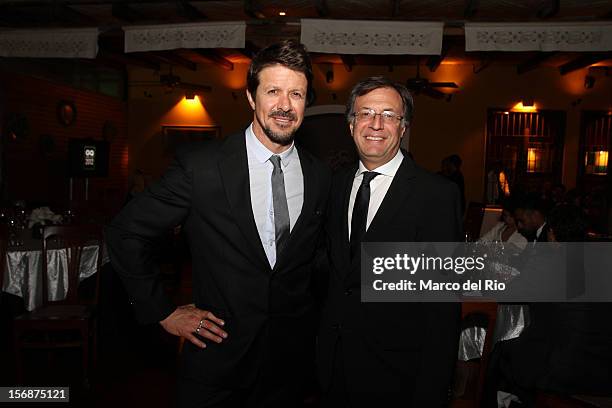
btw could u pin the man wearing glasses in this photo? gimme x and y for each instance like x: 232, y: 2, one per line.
x: 385, y: 354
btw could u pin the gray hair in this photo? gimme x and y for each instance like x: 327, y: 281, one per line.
x: 368, y: 85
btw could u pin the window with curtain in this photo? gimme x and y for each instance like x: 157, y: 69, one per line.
x: 526, y: 146
x: 595, y: 142
x: 595, y: 139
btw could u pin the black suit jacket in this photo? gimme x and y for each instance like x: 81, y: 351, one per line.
x: 267, y: 312
x: 407, y: 348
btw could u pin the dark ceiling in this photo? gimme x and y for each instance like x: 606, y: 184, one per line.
x: 266, y: 25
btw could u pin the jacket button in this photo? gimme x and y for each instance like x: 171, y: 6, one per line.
x: 348, y: 292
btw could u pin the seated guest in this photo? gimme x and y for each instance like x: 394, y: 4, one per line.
x: 530, y: 215
x: 506, y: 231
x: 558, y: 194
x: 566, y: 347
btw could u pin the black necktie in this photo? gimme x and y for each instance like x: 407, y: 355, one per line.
x: 360, y: 211
x: 279, y: 201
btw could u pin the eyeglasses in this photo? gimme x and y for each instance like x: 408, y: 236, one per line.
x: 369, y: 115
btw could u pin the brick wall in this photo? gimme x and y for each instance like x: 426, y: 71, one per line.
x: 40, y: 177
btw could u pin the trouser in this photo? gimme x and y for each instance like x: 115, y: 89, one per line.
x: 194, y: 394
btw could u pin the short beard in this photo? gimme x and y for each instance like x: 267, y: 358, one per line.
x: 283, y: 139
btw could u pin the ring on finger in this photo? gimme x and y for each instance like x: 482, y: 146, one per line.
x: 197, y: 330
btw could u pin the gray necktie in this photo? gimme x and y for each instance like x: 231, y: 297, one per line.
x: 279, y: 200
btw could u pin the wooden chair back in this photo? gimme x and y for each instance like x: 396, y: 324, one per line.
x: 488, y: 310
x: 4, y: 241
x: 73, y: 239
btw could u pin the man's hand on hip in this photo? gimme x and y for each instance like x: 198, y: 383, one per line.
x: 187, y: 321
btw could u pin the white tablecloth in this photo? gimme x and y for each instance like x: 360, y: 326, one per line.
x: 511, y: 321
x: 23, y: 273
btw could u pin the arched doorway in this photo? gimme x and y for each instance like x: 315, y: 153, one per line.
x: 326, y: 135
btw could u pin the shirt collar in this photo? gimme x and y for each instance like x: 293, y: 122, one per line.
x: 388, y: 169
x: 261, y: 153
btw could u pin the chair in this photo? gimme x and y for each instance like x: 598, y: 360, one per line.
x: 487, y: 310
x: 550, y: 400
x: 4, y: 239
x: 74, y: 314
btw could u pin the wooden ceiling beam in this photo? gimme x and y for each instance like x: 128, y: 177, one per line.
x: 484, y: 63
x: 348, y: 61
x: 534, y: 62
x: 39, y: 3
x: 124, y: 12
x: 188, y: 10
x: 251, y: 11
x: 128, y: 59
x: 216, y: 58
x: 249, y: 50
x: 104, y: 62
x: 395, y: 8
x: 583, y: 61
x: 471, y: 8
x: 321, y: 7
x: 172, y: 58
x: 549, y: 8
x: 433, y: 62
x: 63, y: 12
x: 11, y: 16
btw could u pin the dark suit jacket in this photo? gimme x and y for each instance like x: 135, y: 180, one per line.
x: 267, y: 312
x: 407, y: 348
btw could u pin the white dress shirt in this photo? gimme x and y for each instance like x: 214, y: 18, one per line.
x: 378, y: 187
x: 260, y: 181
x: 518, y: 241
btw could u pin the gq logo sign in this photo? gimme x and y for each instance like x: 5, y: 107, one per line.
x: 89, y: 156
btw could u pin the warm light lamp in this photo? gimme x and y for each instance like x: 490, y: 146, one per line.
x: 601, y: 162
x: 521, y: 107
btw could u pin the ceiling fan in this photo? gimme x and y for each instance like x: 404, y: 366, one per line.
x: 419, y: 85
x: 171, y: 82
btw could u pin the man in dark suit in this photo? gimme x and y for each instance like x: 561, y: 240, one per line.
x: 252, y: 208
x: 530, y: 216
x: 385, y: 354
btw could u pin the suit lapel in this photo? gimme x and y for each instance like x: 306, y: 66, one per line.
x: 344, y: 233
x: 234, y: 170
x: 395, y: 200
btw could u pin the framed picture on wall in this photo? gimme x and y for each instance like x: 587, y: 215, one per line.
x: 173, y: 136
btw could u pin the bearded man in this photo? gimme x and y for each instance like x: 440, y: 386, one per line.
x: 252, y: 207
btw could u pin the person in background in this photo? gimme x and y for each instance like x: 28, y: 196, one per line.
x: 506, y: 231
x: 566, y: 347
x: 530, y: 215
x: 498, y: 186
x: 451, y: 169
x: 558, y: 194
